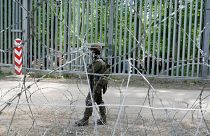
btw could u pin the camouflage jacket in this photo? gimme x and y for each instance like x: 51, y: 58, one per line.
x: 98, y: 67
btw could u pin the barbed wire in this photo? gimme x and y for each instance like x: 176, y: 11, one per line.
x: 122, y: 111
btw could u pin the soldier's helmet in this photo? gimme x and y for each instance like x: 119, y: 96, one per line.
x: 96, y: 47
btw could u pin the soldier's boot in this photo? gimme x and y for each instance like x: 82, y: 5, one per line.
x: 82, y: 122
x: 87, y: 114
x: 102, y: 120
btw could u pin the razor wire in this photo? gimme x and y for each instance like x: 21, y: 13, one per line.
x: 95, y: 113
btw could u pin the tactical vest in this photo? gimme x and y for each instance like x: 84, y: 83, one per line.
x: 103, y: 68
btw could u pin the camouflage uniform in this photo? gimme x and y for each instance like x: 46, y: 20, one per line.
x: 98, y: 85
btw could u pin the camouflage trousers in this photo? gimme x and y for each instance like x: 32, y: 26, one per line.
x: 97, y: 97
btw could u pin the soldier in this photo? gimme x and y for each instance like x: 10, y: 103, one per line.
x: 98, y: 85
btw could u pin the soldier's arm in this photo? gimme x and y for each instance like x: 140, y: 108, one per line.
x: 89, y: 69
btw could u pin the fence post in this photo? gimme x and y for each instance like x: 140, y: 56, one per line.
x: 110, y: 34
x: 25, y: 28
x: 206, y: 39
x: 18, y: 53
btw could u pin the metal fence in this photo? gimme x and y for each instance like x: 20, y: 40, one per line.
x: 159, y: 37
x: 10, y: 28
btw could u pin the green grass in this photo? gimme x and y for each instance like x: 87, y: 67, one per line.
x: 3, y: 74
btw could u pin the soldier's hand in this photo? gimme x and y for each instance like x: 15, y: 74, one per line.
x: 104, y: 89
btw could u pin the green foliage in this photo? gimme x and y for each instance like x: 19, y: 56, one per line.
x: 3, y: 74
x: 154, y: 25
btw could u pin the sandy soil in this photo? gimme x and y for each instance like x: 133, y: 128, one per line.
x: 52, y: 106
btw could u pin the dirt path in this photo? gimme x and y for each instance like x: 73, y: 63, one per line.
x: 52, y: 108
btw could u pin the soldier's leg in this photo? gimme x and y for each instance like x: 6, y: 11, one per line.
x: 100, y: 102
x: 102, y: 119
x: 88, y: 110
x: 87, y: 113
x: 102, y: 108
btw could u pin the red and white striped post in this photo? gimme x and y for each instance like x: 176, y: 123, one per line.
x: 18, y: 50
